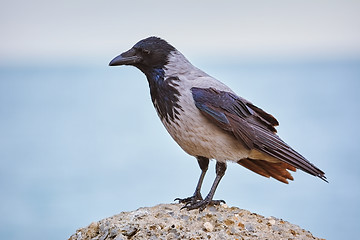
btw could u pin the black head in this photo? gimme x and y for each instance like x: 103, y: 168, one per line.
x: 152, y: 52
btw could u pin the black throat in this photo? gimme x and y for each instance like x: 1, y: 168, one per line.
x: 164, y: 94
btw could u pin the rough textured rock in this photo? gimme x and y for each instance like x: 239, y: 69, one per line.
x: 167, y: 221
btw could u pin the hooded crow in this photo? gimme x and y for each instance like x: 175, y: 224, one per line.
x: 209, y: 121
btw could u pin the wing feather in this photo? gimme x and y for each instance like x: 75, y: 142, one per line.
x: 255, y: 129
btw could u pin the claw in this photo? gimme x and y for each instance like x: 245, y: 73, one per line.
x: 201, y: 204
x: 191, y: 199
x: 185, y: 206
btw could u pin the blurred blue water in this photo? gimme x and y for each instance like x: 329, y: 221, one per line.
x: 81, y: 143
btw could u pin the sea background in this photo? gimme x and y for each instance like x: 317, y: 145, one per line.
x: 80, y: 141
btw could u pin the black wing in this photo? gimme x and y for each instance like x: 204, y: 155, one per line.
x: 254, y: 128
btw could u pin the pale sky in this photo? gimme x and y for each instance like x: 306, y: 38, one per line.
x: 43, y: 30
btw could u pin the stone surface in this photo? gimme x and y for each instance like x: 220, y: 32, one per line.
x: 167, y: 221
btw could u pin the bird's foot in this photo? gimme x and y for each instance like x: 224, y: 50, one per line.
x: 193, y: 199
x: 201, y: 204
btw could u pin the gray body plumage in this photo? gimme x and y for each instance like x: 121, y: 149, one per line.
x: 194, y: 133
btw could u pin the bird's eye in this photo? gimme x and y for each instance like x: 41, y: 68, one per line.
x: 146, y: 51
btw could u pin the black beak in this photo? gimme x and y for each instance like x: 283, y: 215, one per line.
x: 127, y: 58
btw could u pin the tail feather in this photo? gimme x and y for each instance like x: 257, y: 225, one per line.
x: 279, y: 170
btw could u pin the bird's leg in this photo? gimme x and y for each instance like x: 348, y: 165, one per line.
x: 203, y: 163
x: 201, y: 204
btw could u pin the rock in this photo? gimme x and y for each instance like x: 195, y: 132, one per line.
x: 167, y: 221
x: 208, y: 227
x: 272, y: 221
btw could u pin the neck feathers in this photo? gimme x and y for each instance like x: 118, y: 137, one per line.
x: 164, y: 94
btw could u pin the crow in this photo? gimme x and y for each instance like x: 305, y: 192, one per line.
x: 209, y: 121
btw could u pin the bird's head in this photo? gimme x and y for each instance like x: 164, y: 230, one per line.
x: 147, y: 54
